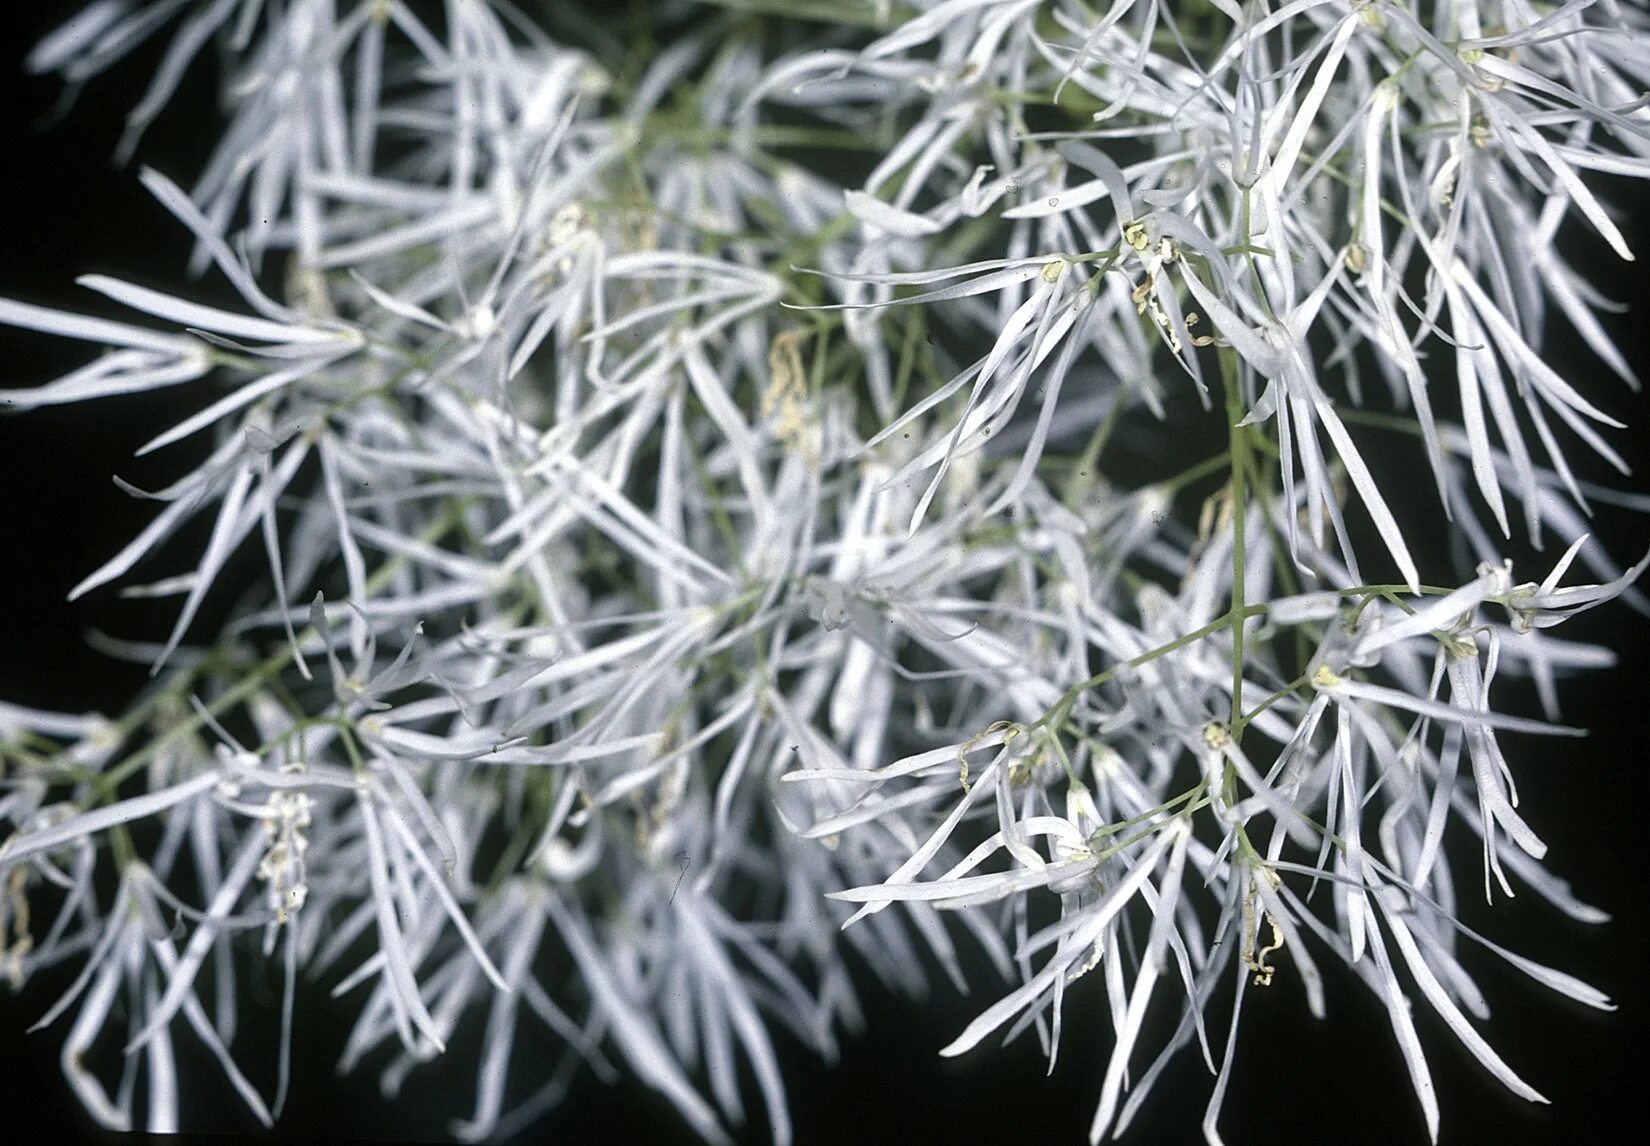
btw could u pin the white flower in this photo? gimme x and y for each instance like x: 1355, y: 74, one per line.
x: 774, y: 477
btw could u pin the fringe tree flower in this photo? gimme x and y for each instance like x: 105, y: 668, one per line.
x: 737, y: 502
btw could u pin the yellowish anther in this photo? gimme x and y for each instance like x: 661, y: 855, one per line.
x: 1137, y: 236
x: 22, y: 942
x: 1053, y: 269
x: 1142, y: 294
x: 1386, y: 95
x: 1097, y: 953
x: 787, y: 393
x: 1215, y: 735
x: 1252, y: 959
x: 1356, y: 258
x: 1262, y: 969
x: 1325, y: 677
x: 1462, y: 648
x: 567, y: 222
x: 1010, y: 729
x: 1520, y: 614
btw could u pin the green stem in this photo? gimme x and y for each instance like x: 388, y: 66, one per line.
x: 1240, y: 512
x: 1056, y: 715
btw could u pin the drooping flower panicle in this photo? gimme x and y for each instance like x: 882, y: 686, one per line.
x: 702, y: 507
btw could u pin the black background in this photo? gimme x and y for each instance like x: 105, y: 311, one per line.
x: 67, y: 210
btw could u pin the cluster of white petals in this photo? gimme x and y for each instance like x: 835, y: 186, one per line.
x: 707, y: 498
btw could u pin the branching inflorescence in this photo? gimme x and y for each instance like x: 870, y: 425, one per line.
x: 690, y: 485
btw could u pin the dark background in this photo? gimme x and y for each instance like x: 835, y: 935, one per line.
x: 68, y: 211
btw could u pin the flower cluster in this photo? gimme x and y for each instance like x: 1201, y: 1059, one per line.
x: 704, y: 485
